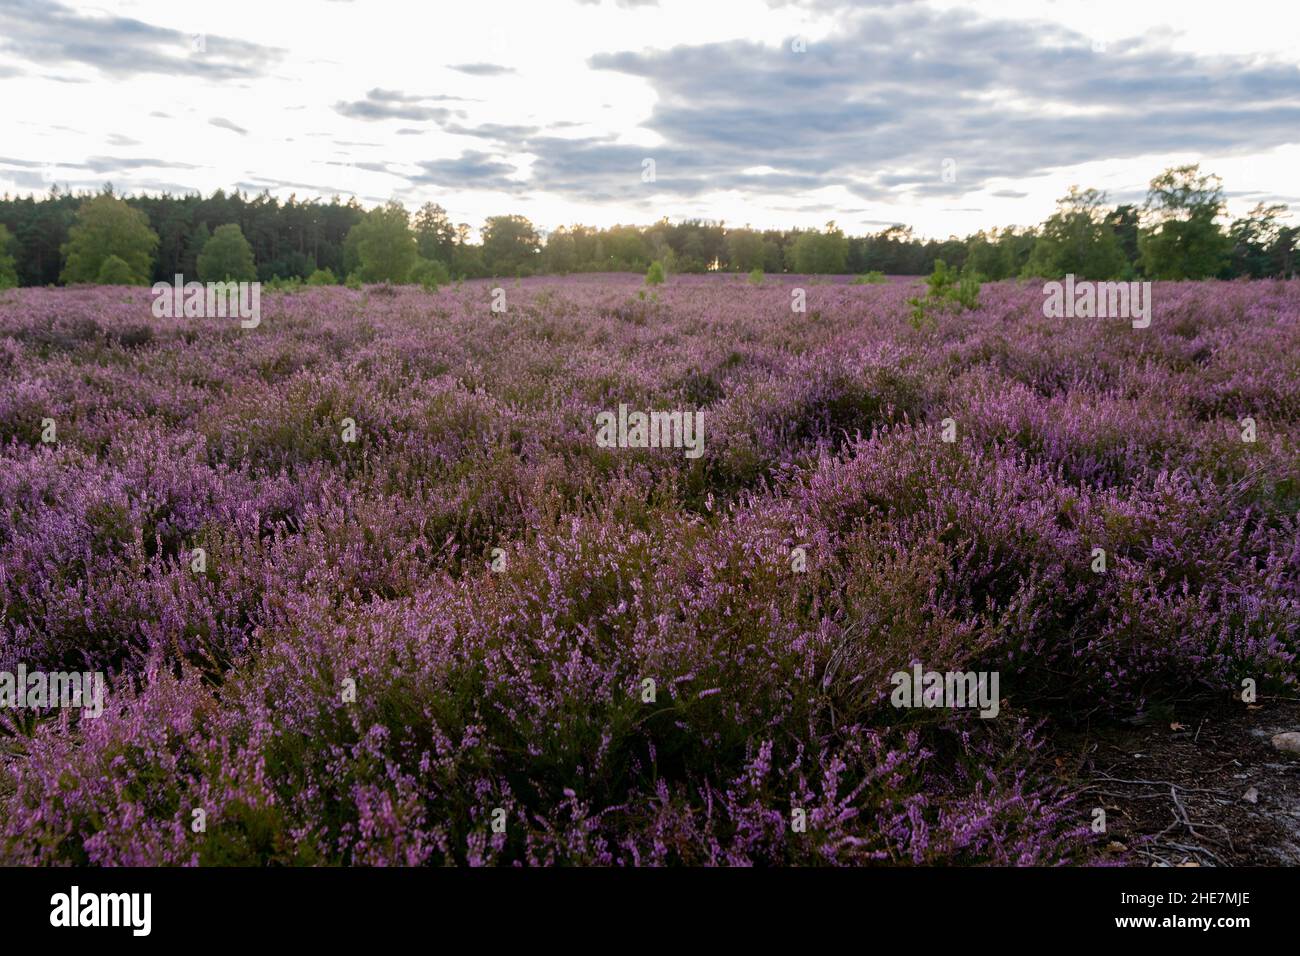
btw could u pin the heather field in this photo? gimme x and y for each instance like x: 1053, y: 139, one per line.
x: 474, y: 614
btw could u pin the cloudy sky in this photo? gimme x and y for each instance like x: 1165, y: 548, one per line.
x: 946, y: 116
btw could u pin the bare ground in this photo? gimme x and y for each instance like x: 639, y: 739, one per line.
x: 1192, y: 785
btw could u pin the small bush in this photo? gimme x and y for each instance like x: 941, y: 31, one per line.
x: 430, y: 275
x: 947, y: 289
x: 871, y: 278
x: 655, y: 274
x: 283, y: 284
x: 322, y: 277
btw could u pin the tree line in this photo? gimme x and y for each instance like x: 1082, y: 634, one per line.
x: 1179, y: 232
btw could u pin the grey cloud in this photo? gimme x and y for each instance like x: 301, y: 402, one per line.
x: 400, y: 97
x: 386, y: 104
x: 471, y: 169
x: 163, y: 186
x: 32, y: 182
x: 368, y: 167
x: 880, y: 104
x: 71, y: 176
x: 113, y: 164
x: 497, y: 131
x: 482, y: 69
x: 226, y: 124
x: 257, y: 184
x: 46, y: 32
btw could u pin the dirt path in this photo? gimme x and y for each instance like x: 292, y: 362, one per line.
x: 1196, y: 787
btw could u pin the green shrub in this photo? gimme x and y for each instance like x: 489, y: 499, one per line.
x: 871, y: 278
x: 756, y: 277
x: 322, y: 277
x: 948, y: 289
x: 430, y: 274
x: 655, y: 274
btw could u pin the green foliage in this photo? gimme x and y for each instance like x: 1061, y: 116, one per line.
x: 744, y: 250
x: 1261, y: 245
x: 967, y: 293
x: 115, y: 271
x: 107, y: 226
x: 1125, y: 222
x: 510, y: 244
x: 435, y: 236
x: 560, y: 255
x: 871, y: 278
x: 625, y: 247
x: 1183, y: 189
x: 1000, y: 253
x: 430, y: 274
x: 183, y: 223
x: 947, y: 290
x: 467, y: 262
x: 756, y: 276
x: 8, y: 268
x: 1185, y: 241
x: 1193, y: 248
x: 382, y: 245
x: 1077, y: 240
x: 322, y: 277
x: 297, y: 238
x: 353, y: 282
x: 288, y: 265
x: 821, y: 253
x: 226, y: 257
x: 1255, y: 237
x: 655, y: 274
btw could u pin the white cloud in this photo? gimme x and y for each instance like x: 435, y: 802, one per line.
x: 502, y: 106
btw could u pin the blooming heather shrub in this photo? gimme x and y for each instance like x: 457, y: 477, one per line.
x: 514, y: 678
